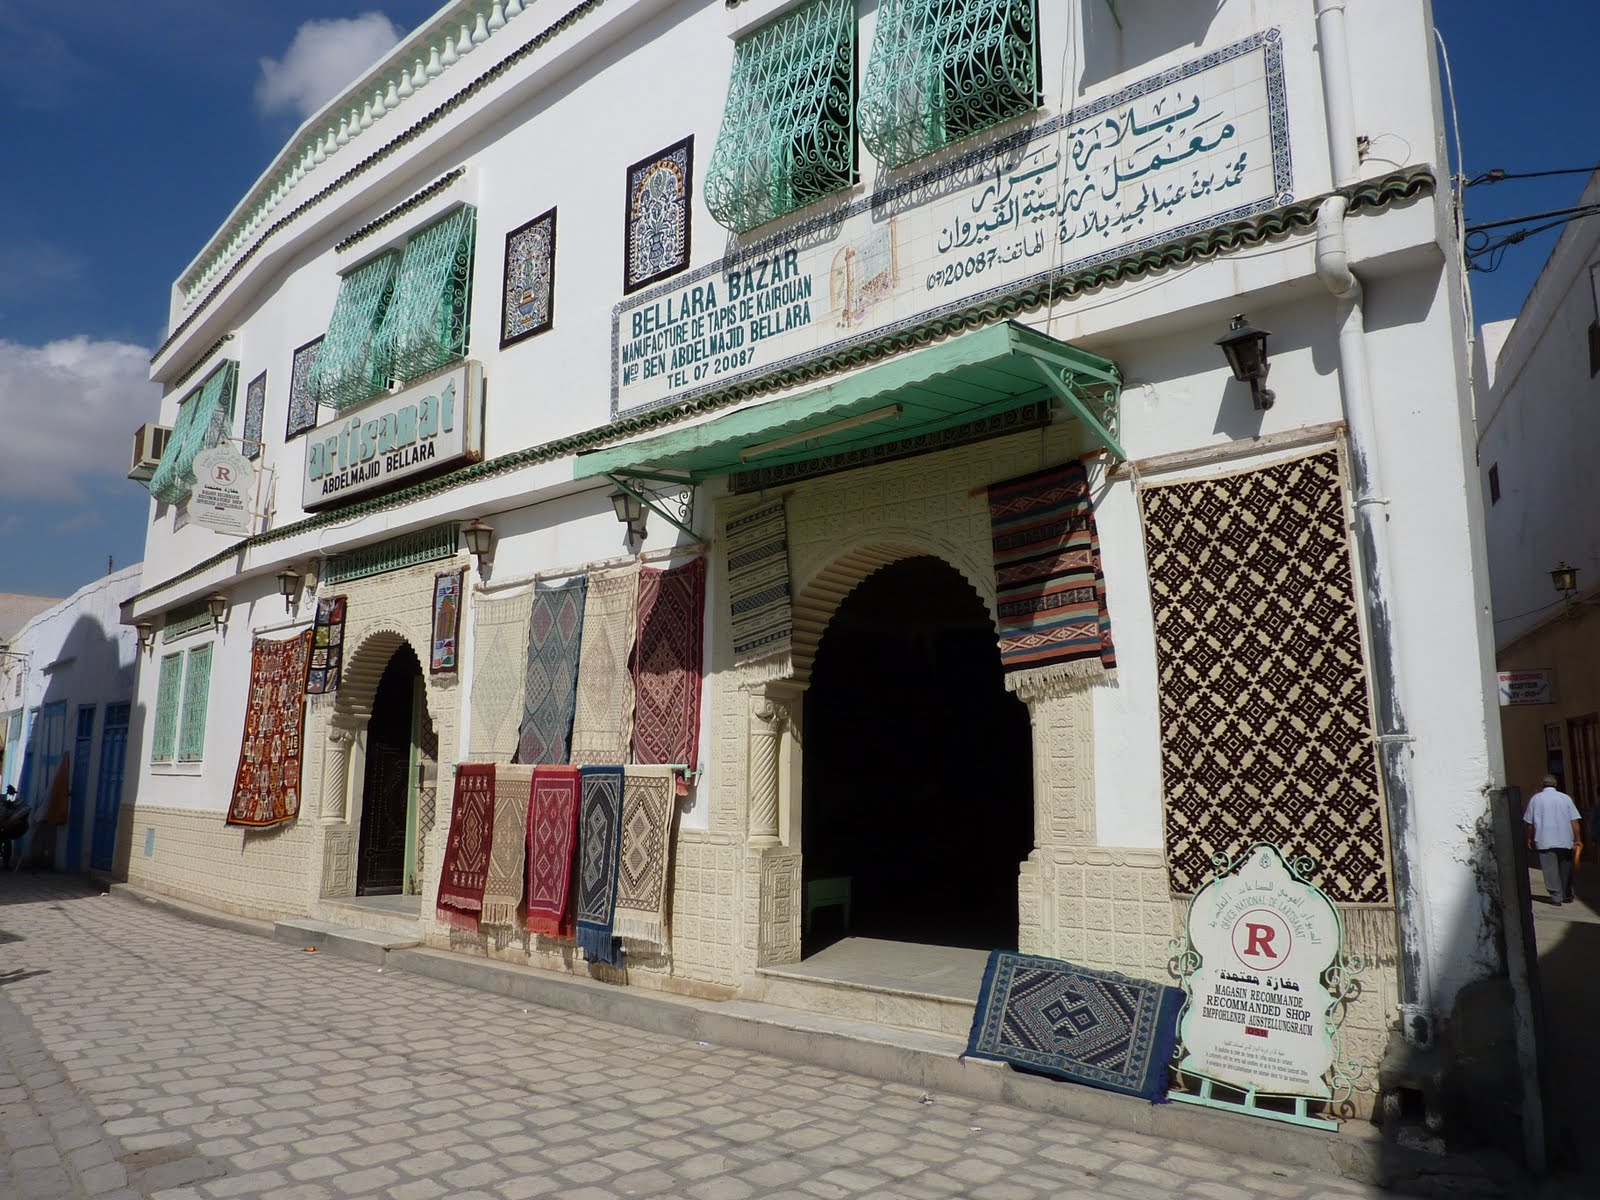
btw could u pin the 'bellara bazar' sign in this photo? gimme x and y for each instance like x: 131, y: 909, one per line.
x: 396, y: 437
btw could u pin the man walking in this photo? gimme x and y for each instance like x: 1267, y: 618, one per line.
x: 1554, y: 829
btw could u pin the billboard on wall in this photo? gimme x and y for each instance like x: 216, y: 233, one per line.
x: 1199, y: 145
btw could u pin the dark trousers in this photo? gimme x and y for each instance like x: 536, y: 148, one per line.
x: 1557, y: 867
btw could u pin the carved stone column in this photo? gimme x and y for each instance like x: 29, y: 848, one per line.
x: 767, y: 721
x: 336, y: 773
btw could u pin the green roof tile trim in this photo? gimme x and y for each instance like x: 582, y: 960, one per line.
x: 1372, y: 194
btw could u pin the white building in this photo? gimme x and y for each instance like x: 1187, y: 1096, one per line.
x: 867, y: 261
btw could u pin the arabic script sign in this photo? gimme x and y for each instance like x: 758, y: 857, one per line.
x: 220, y: 501
x: 1197, y: 146
x: 1257, y: 1015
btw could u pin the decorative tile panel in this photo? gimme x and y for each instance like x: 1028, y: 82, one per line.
x: 255, y: 407
x: 528, y: 301
x: 302, y: 402
x: 657, y: 240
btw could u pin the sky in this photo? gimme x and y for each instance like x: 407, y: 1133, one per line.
x: 130, y: 131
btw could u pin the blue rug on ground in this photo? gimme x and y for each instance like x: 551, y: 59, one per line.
x: 1095, y: 1027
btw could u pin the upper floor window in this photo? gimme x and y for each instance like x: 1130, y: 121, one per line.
x: 941, y: 70
x: 399, y: 315
x: 181, y: 694
x: 788, y: 129
x: 205, y: 416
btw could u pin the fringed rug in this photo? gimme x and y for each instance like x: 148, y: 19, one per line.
x: 1050, y: 594
x: 465, y: 869
x: 758, y: 590
x: 602, y: 726
x: 1266, y: 731
x: 1076, y: 1023
x: 550, y: 683
x: 499, y: 655
x: 666, y: 665
x: 649, y: 801
x: 599, y: 845
x: 508, y: 846
x: 552, y: 835
x: 266, y: 786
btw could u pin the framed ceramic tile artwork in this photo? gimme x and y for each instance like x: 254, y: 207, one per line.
x: 302, y: 407
x: 446, y: 622
x: 657, y: 241
x: 255, y: 407
x: 528, y: 303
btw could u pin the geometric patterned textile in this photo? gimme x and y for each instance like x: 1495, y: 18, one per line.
x: 465, y: 869
x: 527, y: 305
x: 1075, y: 1023
x: 666, y: 665
x: 550, y: 683
x: 1266, y: 727
x: 327, y: 648
x: 656, y: 242
x: 599, y: 851
x: 266, y: 787
x: 758, y: 588
x: 602, y: 723
x: 648, y: 803
x: 552, y: 836
x: 1050, y: 594
x: 499, y: 658
x: 255, y: 407
x: 502, y: 892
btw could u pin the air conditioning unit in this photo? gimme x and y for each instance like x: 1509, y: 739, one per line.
x: 148, y: 443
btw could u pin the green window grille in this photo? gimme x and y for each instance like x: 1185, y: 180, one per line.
x: 345, y: 373
x: 192, y: 718
x: 940, y: 70
x: 167, y: 696
x: 183, y: 621
x: 788, y: 129
x: 204, y: 418
x: 425, y: 325
x: 407, y: 550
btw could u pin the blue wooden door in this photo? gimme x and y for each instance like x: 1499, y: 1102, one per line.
x: 78, y: 809
x: 108, y: 790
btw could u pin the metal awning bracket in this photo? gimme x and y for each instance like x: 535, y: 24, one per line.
x: 671, y: 499
x: 1083, y: 406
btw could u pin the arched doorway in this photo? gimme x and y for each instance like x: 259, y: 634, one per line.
x: 386, y: 856
x: 918, y: 772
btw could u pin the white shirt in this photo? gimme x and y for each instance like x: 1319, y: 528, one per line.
x: 1551, y: 814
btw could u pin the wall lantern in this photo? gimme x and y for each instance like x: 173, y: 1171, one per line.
x: 1565, y: 578
x: 289, y: 587
x: 147, y: 635
x: 480, y: 541
x: 1246, y: 348
x: 630, y: 511
x: 218, y: 604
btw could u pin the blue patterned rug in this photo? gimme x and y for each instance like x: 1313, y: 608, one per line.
x: 549, y: 693
x: 599, y: 856
x: 1075, y: 1023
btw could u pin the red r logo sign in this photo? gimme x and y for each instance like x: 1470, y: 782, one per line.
x: 1261, y: 939
x: 222, y: 474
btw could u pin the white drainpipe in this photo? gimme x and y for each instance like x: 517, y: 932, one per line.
x: 1371, y: 532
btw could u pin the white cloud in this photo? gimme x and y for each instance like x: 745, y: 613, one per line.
x: 323, y: 59
x: 72, y: 407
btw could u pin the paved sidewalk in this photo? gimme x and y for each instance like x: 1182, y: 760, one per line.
x: 142, y: 1054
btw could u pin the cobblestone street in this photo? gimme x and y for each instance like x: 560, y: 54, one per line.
x: 142, y: 1054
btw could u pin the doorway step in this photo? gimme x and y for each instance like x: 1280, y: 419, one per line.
x: 932, y: 989
x: 396, y: 917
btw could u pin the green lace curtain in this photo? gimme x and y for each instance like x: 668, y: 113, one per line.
x: 940, y: 70
x: 425, y: 324
x: 788, y: 128
x: 344, y: 374
x: 203, y: 420
x: 167, y: 690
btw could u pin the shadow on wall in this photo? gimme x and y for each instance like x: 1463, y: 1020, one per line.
x: 1137, y: 31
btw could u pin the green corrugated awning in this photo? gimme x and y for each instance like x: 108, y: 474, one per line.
x: 963, y: 379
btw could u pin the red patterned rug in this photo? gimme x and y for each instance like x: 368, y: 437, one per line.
x: 466, y: 854
x: 266, y: 787
x: 552, y: 834
x: 666, y: 665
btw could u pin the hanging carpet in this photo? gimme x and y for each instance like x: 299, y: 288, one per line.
x: 602, y: 726
x: 666, y: 665
x: 508, y: 846
x: 465, y: 870
x: 266, y: 786
x: 1266, y: 727
x: 499, y: 658
x: 649, y: 801
x: 327, y: 647
x: 758, y: 590
x: 599, y: 847
x: 552, y: 835
x: 1050, y: 594
x: 1075, y: 1023
x: 550, y: 682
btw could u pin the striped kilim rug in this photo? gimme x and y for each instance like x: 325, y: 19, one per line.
x: 1050, y: 594
x: 508, y: 846
x: 266, y: 786
x: 499, y: 658
x: 649, y: 801
x: 465, y: 869
x: 550, y: 683
x: 758, y: 589
x: 666, y: 665
x: 602, y: 725
x: 599, y: 850
x: 552, y: 834
x: 1096, y: 1027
